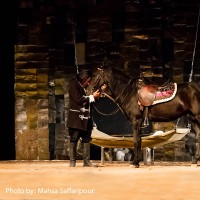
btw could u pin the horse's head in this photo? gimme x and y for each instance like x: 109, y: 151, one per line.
x: 99, y: 77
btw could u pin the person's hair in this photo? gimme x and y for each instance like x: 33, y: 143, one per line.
x: 83, y: 75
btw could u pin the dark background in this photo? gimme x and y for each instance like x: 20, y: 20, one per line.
x: 35, y: 31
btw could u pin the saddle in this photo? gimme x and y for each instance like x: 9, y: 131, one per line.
x: 153, y: 94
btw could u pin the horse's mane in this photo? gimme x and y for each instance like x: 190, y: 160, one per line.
x: 123, y: 81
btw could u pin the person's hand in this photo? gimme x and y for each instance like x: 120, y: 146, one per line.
x: 96, y: 94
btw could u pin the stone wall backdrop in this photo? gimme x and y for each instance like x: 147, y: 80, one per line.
x: 155, y: 38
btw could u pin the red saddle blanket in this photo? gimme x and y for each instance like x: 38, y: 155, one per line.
x: 153, y: 94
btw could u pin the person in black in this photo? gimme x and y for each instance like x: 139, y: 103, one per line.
x: 79, y: 121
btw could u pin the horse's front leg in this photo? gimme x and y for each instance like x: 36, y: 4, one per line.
x: 136, y: 128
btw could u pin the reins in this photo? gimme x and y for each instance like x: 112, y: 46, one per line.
x: 115, y: 100
x: 106, y: 114
x: 113, y: 112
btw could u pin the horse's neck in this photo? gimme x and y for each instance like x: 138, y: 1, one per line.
x: 119, y: 86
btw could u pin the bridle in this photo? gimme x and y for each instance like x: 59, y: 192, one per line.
x: 104, y: 94
x: 98, y: 79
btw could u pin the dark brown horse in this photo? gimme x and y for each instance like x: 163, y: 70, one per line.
x: 124, y: 90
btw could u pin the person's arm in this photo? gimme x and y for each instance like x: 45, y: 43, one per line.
x: 94, y: 96
x: 79, y: 98
x: 97, y: 93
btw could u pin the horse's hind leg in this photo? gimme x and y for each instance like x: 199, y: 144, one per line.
x: 196, y: 157
x: 137, y: 143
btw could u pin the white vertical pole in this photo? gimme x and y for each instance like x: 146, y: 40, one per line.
x: 148, y: 156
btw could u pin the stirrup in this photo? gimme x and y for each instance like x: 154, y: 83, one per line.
x: 146, y: 122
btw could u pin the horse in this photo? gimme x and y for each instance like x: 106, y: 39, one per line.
x: 124, y: 90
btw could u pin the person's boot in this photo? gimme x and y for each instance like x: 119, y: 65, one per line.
x: 72, y: 154
x: 86, y: 156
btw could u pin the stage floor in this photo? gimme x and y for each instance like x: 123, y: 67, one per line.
x: 37, y: 180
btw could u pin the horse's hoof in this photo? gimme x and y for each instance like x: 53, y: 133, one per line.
x: 194, y: 160
x: 194, y: 165
x: 133, y: 166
